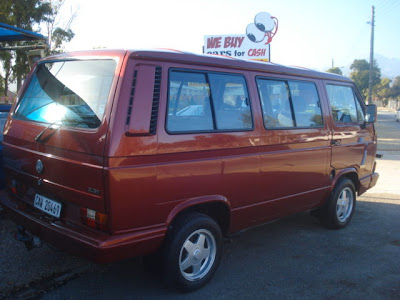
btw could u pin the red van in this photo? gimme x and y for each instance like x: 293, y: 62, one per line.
x: 111, y: 154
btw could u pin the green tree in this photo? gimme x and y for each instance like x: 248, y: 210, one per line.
x: 58, y: 35
x: 5, y: 9
x: 6, y: 58
x: 1, y: 85
x: 395, y: 90
x: 360, y: 74
x: 382, y: 91
x: 335, y: 70
x: 23, y: 14
x: 29, y: 14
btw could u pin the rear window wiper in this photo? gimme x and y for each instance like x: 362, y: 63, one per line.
x: 65, y: 121
x: 88, y: 123
x: 50, y: 126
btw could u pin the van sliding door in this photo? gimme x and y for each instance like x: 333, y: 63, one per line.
x: 295, y: 146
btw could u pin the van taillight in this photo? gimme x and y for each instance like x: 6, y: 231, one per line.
x: 13, y: 186
x: 93, y: 218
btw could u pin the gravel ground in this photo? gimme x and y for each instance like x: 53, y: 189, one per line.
x: 369, y: 249
x: 21, y: 269
x: 293, y: 258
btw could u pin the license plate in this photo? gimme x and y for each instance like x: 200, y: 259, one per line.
x: 47, y: 205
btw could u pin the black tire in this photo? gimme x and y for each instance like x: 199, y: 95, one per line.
x: 192, y: 252
x: 339, y: 209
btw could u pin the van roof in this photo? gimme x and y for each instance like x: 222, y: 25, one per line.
x: 206, y: 59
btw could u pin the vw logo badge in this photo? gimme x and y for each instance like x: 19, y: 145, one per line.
x: 39, y: 166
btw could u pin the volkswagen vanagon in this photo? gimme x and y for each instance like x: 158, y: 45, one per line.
x: 112, y: 154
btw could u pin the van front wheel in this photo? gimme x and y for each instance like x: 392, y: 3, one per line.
x: 339, y: 210
x: 193, y: 252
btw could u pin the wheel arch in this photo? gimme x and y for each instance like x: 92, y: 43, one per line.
x: 217, y: 207
x: 350, y: 173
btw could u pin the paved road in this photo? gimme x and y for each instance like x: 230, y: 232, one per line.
x: 388, y: 166
x: 292, y: 258
x: 388, y: 132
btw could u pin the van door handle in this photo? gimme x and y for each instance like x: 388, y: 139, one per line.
x: 335, y: 142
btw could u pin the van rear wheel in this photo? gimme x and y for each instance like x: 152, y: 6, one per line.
x: 193, y: 252
x: 340, y: 207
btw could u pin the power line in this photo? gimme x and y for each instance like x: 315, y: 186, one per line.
x: 382, y: 14
x: 387, y: 4
x: 387, y: 7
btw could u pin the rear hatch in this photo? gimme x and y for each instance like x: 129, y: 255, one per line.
x: 54, y: 140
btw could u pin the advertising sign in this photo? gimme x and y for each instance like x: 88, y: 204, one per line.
x: 255, y: 44
x: 235, y: 45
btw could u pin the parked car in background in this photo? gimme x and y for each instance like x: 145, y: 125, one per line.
x: 4, y: 110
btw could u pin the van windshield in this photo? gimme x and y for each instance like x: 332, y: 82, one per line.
x: 72, y: 93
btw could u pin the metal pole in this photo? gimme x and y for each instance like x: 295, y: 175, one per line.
x: 371, y: 57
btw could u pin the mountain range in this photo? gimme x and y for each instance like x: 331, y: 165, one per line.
x: 390, y: 67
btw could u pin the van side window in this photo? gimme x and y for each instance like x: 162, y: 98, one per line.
x: 345, y: 106
x: 306, y: 105
x: 189, y: 107
x: 288, y: 104
x: 231, y: 102
x: 207, y: 102
x: 275, y: 103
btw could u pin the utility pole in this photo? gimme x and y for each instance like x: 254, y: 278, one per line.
x: 371, y: 57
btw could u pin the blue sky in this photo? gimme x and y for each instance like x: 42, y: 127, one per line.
x: 311, y: 32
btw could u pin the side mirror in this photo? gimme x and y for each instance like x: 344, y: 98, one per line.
x: 370, y: 113
x: 34, y: 56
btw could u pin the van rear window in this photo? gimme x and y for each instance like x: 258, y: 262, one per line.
x: 71, y: 93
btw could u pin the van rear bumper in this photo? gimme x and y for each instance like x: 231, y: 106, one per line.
x: 84, y: 242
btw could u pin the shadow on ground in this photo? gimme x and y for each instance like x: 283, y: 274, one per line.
x: 291, y: 258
